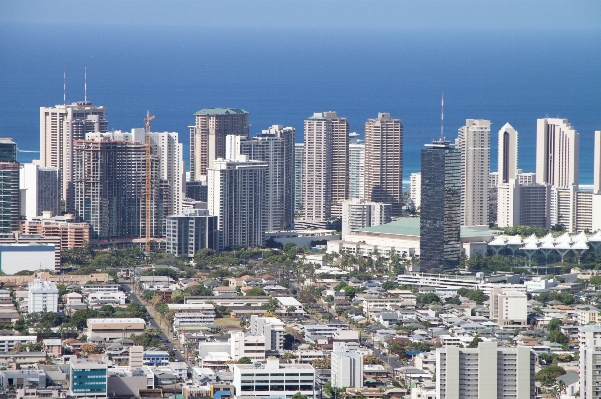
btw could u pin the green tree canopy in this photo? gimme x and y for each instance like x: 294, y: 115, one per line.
x: 244, y: 360
x: 554, y: 324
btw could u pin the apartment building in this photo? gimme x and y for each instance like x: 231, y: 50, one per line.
x: 358, y: 214
x: 60, y: 126
x: 8, y: 342
x: 43, y: 296
x: 384, y: 161
x: 247, y: 345
x: 10, y: 193
x: 207, y: 136
x: 40, y: 190
x: 488, y: 371
x: 271, y: 328
x: 72, y: 234
x: 347, y: 369
x: 509, y: 307
x: 356, y: 167
x: 557, y: 153
x: 237, y: 197
x: 191, y: 231
x: 473, y: 142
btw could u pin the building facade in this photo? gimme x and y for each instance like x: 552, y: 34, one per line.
x: 384, y: 162
x: 40, y: 190
x: 485, y: 372
x: 440, y: 216
x: 237, y: 196
x: 557, y: 153
x: 356, y: 167
x: 60, y: 126
x: 88, y: 378
x: 72, y: 234
x: 415, y: 193
x: 347, y: 370
x: 172, y: 168
x: 207, y: 136
x: 43, y: 296
x: 273, y: 379
x: 508, y: 154
x: 358, y: 214
x: 10, y: 194
x: 191, y: 231
x: 473, y: 142
x: 299, y: 154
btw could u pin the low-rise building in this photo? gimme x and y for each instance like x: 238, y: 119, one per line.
x: 43, y: 297
x: 347, y: 369
x: 115, y: 328
x: 88, y: 378
x: 274, y: 379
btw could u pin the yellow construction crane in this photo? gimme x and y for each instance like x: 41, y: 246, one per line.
x: 148, y: 178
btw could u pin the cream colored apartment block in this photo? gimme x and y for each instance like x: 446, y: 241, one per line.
x: 384, y: 161
x: 557, y: 152
x: 473, y: 142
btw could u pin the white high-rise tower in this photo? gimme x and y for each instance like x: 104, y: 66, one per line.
x: 557, y: 153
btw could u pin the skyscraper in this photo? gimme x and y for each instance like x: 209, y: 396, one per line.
x: 415, y: 181
x: 356, y: 167
x: 508, y: 153
x: 109, y: 183
x: 597, y: 164
x: 237, y: 195
x: 384, y: 161
x: 440, y: 216
x: 40, y: 190
x: 317, y: 169
x: 276, y: 150
x: 299, y: 155
x: 207, y: 136
x: 59, y: 127
x: 557, y: 152
x: 10, y: 194
x: 340, y: 161
x: 172, y: 168
x: 473, y: 142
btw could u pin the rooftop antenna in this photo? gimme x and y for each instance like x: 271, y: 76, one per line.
x: 442, y: 118
x: 85, y: 84
x: 64, y: 85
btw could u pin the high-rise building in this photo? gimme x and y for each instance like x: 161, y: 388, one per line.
x: 275, y: 147
x: 488, y: 371
x: 573, y: 209
x: 317, y: 169
x: 43, y: 296
x: 358, y: 214
x: 473, y: 142
x: 557, y: 153
x: 356, y: 167
x: 10, y: 194
x: 40, y: 190
x: 60, y: 126
x: 347, y: 369
x: 299, y: 155
x: 493, y: 182
x: 109, y: 184
x: 340, y: 161
x: 596, y: 225
x: 270, y: 327
x: 440, y: 216
x: 237, y: 196
x: 207, y: 136
x: 415, y: 189
x: 508, y: 153
x: 384, y: 161
x: 523, y: 202
x: 191, y: 231
x: 172, y: 168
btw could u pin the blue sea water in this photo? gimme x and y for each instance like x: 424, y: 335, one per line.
x: 283, y: 76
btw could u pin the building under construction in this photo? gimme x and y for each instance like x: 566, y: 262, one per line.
x: 109, y: 177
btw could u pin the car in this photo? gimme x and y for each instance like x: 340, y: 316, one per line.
x: 181, y: 351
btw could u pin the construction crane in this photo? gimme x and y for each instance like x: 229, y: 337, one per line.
x: 148, y: 178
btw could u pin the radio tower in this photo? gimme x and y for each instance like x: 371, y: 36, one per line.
x: 65, y: 85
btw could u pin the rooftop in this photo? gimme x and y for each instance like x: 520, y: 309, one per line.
x: 221, y: 111
x: 411, y: 227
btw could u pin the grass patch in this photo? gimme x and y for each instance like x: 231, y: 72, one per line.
x: 227, y: 321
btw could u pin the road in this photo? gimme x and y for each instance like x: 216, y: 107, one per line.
x: 165, y: 337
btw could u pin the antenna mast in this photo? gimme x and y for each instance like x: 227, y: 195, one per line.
x: 65, y: 85
x: 442, y: 118
x: 148, y: 185
x: 85, y: 84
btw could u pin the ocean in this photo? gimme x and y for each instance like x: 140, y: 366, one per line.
x: 283, y: 76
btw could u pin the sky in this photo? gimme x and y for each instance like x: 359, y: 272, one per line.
x: 289, y: 14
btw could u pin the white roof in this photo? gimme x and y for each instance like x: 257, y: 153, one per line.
x: 289, y: 301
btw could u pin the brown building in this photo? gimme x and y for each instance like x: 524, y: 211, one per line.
x: 207, y: 136
x: 384, y: 161
x: 71, y: 234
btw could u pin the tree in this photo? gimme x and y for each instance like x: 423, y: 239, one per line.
x: 475, y: 341
x: 89, y: 348
x: 291, y: 309
x: 244, y: 360
x: 256, y: 291
x: 477, y: 296
x: 554, y: 324
x: 427, y: 299
x: 462, y: 291
x: 548, y: 375
x: 558, y: 337
x: 595, y: 280
x: 298, y: 395
x: 350, y: 292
